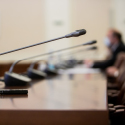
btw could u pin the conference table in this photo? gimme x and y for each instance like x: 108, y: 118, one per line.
x: 76, y: 96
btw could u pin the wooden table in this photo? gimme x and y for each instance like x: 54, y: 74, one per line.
x: 78, y: 99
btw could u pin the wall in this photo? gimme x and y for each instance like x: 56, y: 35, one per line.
x: 93, y: 15
x: 24, y: 22
x: 57, y: 16
x: 118, y: 15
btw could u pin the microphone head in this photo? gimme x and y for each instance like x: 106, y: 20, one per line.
x: 92, y: 48
x: 76, y: 33
x: 81, y: 31
x: 90, y: 42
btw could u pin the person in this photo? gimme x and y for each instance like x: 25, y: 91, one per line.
x: 115, y: 44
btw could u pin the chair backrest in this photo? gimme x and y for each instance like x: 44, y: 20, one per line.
x: 121, y: 77
x: 121, y: 96
x: 119, y: 60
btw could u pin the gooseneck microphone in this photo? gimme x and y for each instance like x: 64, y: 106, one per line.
x: 87, y: 43
x: 13, y: 79
x: 31, y: 69
x: 87, y: 49
x: 44, y: 54
x: 81, y: 50
x: 33, y: 73
x: 73, y: 34
x: 73, y: 62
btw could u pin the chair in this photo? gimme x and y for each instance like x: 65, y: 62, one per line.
x: 120, y: 59
x: 117, y: 96
x: 117, y: 84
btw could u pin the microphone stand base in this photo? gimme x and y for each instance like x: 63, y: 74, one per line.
x: 36, y: 74
x: 13, y: 79
x: 50, y: 72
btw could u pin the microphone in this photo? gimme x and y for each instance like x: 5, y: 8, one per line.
x: 86, y: 49
x: 76, y: 33
x: 90, y: 43
x: 92, y: 48
x: 44, y: 54
x: 68, y: 63
x: 13, y: 79
x: 73, y: 34
x: 31, y: 69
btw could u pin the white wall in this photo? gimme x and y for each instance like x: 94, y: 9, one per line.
x: 57, y: 24
x: 24, y: 22
x: 118, y: 15
x: 93, y: 15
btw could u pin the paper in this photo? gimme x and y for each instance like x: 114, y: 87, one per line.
x: 81, y: 70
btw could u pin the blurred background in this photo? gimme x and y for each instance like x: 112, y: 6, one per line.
x: 25, y: 22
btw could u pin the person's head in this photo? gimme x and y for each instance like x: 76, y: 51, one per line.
x: 113, y: 37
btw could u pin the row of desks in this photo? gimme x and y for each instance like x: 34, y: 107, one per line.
x: 62, y: 99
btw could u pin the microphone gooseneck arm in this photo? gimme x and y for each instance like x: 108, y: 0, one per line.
x: 81, y: 50
x: 73, y: 34
x: 31, y: 46
x: 12, y: 66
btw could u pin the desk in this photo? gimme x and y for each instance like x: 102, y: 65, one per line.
x: 64, y: 99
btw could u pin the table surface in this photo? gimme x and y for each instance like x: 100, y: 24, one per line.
x: 73, y: 97
x: 62, y: 92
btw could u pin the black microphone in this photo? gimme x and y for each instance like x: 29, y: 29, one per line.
x: 86, y: 49
x: 92, y: 48
x: 31, y: 69
x: 71, y: 63
x: 76, y: 33
x: 73, y: 34
x: 13, y: 79
x: 90, y: 43
x: 44, y: 54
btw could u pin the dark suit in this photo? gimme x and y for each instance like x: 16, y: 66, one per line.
x: 106, y: 63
